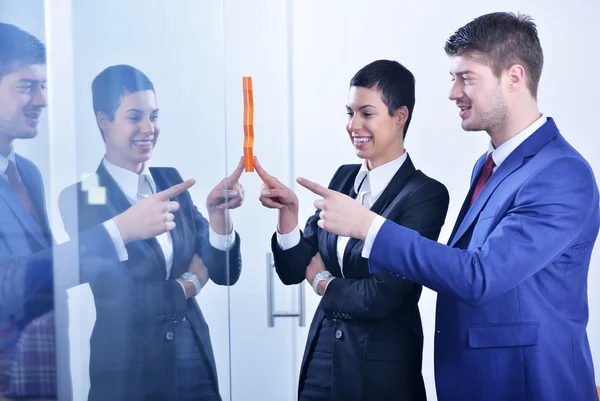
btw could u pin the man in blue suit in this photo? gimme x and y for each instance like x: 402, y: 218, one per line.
x: 26, y: 242
x: 512, y: 305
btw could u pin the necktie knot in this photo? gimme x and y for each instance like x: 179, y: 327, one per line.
x: 489, y: 162
x: 486, y: 173
x: 11, y: 172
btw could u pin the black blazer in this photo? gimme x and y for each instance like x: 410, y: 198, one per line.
x: 378, y: 345
x: 131, y: 356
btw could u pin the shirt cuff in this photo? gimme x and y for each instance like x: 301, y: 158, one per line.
x: 289, y: 240
x: 117, y: 239
x: 219, y: 241
x: 371, y: 235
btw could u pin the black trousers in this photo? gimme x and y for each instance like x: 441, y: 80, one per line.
x: 316, y: 384
x: 194, y: 380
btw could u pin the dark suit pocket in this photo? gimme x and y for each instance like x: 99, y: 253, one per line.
x: 107, y: 353
x: 503, y: 335
x: 386, y: 351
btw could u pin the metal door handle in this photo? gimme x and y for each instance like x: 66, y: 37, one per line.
x: 271, y: 315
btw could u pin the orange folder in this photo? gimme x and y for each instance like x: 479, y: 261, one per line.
x: 248, y: 124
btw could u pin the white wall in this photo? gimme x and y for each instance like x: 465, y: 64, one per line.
x: 334, y: 39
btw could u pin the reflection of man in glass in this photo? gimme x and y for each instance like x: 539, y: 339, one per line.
x: 150, y: 340
x: 27, y: 345
x: 23, y: 222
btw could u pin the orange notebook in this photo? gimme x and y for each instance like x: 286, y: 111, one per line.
x: 248, y: 124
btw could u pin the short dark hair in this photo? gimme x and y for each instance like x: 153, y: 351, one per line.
x: 503, y: 39
x: 114, y: 82
x: 395, y: 82
x: 18, y: 49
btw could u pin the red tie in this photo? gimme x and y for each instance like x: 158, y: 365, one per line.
x: 488, y: 169
x: 19, y: 188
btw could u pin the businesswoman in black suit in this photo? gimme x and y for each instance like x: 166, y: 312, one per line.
x: 365, y: 341
x: 150, y: 340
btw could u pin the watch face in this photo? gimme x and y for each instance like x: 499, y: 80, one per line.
x: 187, y: 276
x: 323, y: 274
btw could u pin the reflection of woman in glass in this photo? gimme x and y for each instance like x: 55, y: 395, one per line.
x: 365, y: 341
x: 150, y: 340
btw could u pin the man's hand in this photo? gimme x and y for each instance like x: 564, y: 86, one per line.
x: 228, y: 194
x: 340, y: 214
x: 275, y: 195
x: 151, y: 216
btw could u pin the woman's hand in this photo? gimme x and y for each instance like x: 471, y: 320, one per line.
x: 316, y: 265
x: 275, y: 195
x: 197, y: 267
x: 228, y: 194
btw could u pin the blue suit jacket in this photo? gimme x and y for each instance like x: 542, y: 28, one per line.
x: 26, y: 255
x: 512, y: 305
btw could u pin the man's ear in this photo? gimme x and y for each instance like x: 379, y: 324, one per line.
x: 516, y: 77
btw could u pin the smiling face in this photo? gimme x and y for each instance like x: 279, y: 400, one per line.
x: 376, y: 136
x: 22, y: 99
x: 478, y: 93
x: 132, y: 134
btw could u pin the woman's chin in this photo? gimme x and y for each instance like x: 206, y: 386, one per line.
x: 142, y: 157
x: 362, y: 153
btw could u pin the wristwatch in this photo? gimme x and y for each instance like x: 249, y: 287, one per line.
x: 320, y: 276
x: 192, y: 278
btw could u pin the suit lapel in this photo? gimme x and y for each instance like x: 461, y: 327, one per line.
x: 118, y: 203
x: 115, y: 198
x: 332, y: 239
x: 393, y: 188
x: 32, y: 180
x: 465, y: 206
x: 514, y: 161
x: 391, y: 191
x: 9, y: 195
x: 176, y: 235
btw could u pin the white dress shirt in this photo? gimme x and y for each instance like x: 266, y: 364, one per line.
x: 503, y: 151
x: 373, y: 183
x: 499, y: 155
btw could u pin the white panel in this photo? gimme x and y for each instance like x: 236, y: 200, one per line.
x: 263, y: 365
